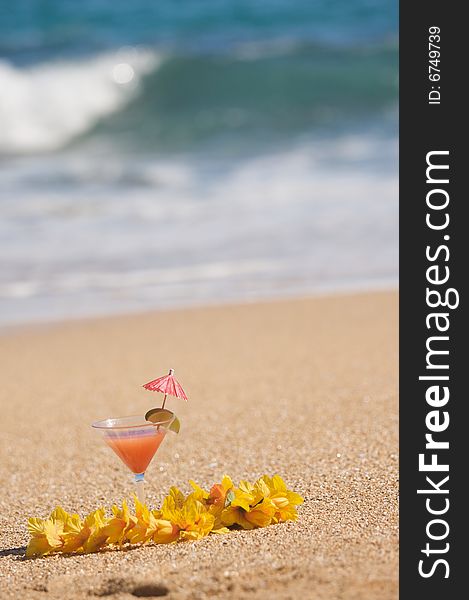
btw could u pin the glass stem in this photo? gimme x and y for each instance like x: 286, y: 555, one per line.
x: 140, y: 483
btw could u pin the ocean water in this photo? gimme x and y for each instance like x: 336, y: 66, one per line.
x: 159, y: 154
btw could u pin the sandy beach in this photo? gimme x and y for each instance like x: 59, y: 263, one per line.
x: 304, y: 388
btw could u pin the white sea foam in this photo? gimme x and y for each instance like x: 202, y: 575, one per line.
x: 101, y: 280
x: 318, y: 216
x: 45, y: 106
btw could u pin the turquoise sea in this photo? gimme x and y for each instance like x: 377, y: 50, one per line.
x: 157, y: 154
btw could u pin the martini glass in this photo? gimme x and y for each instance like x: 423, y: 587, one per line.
x: 135, y: 441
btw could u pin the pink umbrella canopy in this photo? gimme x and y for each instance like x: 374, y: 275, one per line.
x: 167, y: 385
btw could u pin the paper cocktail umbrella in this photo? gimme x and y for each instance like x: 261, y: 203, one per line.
x: 167, y: 385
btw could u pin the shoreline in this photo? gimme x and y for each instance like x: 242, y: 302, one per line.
x: 305, y: 388
x: 356, y: 289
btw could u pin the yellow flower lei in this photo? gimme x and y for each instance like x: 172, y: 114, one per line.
x: 180, y: 518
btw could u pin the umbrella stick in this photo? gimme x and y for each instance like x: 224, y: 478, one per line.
x: 164, y: 400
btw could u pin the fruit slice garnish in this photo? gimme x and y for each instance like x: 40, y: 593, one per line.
x: 162, y: 416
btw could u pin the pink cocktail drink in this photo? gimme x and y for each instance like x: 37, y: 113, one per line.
x: 135, y: 441
x: 136, y: 449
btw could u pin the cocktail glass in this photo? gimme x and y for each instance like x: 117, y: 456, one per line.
x: 135, y: 441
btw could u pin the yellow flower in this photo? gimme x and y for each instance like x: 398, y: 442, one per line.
x: 60, y: 532
x: 272, y: 501
x: 267, y: 501
x: 143, y: 524
x: 192, y: 518
x: 46, y: 536
x: 74, y: 535
x: 166, y: 532
x: 95, y: 530
x: 194, y: 521
x: 220, y: 495
x: 261, y: 514
x: 169, y: 508
x: 149, y: 525
x: 235, y: 513
x: 220, y: 492
x: 119, y: 526
x: 282, y: 499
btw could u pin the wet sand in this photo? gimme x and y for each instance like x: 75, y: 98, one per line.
x: 304, y: 388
